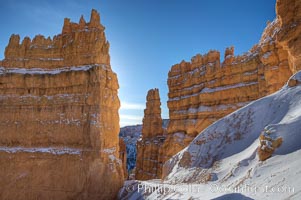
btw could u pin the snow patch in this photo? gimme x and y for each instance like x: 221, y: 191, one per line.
x: 109, y: 150
x: 49, y: 71
x: 50, y: 150
x: 221, y: 88
x: 267, y: 55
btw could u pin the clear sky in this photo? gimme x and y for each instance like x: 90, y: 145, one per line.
x: 147, y: 36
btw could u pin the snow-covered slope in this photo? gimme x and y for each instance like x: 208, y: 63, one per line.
x: 222, y: 162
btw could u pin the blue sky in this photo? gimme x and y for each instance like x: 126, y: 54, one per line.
x: 147, y: 36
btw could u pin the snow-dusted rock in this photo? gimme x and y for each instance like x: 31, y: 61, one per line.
x: 207, y: 88
x: 59, y: 118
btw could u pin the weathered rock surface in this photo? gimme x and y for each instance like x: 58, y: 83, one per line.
x: 289, y: 36
x: 268, y: 143
x: 59, y: 119
x: 79, y: 44
x: 149, y: 164
x: 205, y: 89
x: 123, y: 156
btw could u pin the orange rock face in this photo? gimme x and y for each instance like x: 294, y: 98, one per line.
x: 289, y: 36
x: 205, y: 89
x: 149, y: 163
x: 59, y: 119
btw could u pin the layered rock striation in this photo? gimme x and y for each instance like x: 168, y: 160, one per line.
x: 59, y: 119
x: 149, y: 163
x: 205, y: 89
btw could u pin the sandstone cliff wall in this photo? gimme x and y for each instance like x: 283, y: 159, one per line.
x: 59, y: 119
x: 289, y: 36
x: 149, y: 163
x: 205, y: 89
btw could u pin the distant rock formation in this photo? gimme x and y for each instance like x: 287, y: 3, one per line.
x: 204, y: 90
x: 149, y: 164
x: 130, y: 135
x: 59, y: 119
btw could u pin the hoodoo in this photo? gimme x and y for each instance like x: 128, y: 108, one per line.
x: 149, y: 164
x: 59, y: 119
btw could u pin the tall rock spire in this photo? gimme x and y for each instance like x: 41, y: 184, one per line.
x: 148, y: 165
x: 94, y: 19
x: 152, y: 121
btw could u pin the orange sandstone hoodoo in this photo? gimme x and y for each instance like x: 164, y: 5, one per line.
x: 149, y: 163
x: 59, y: 119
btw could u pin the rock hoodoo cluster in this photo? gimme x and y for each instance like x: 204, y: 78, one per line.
x: 149, y: 163
x: 79, y: 44
x: 204, y: 90
x: 59, y: 119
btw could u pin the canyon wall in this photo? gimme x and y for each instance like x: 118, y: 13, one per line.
x: 59, y: 119
x: 205, y: 89
x: 149, y: 163
x: 289, y: 36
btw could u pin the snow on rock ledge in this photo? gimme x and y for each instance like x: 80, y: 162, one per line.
x: 4, y: 70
